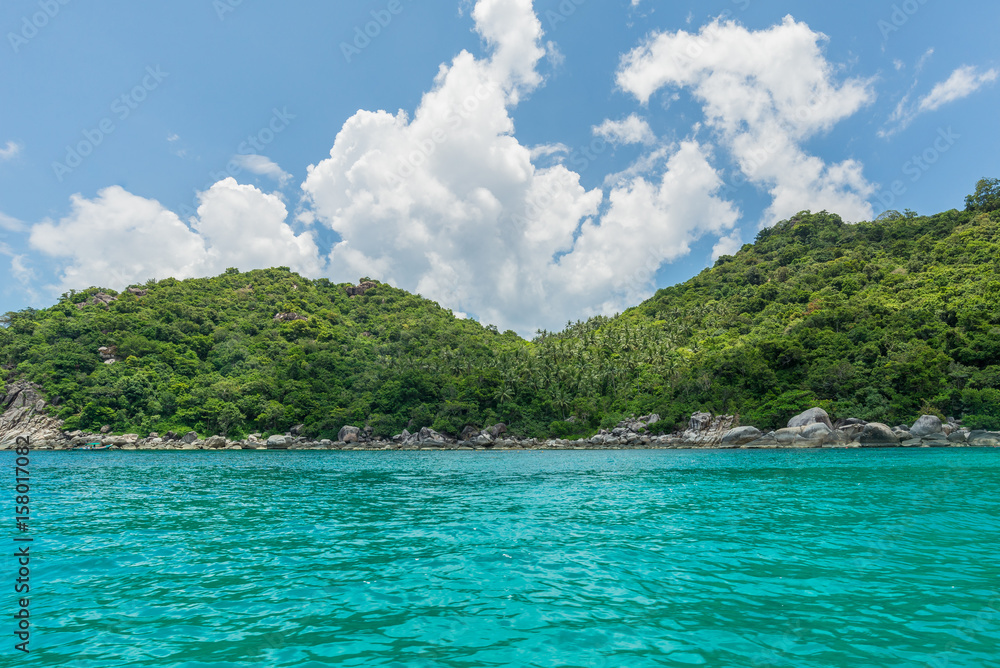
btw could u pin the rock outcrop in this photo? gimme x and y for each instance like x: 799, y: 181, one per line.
x: 926, y: 425
x: 851, y: 428
x: 984, y: 439
x: 23, y: 414
x: 288, y: 317
x: 279, y: 442
x: 704, y: 430
x: 100, y: 299
x: 811, y: 416
x: 876, y: 434
x: 216, y: 442
x: 108, y: 354
x: 349, y: 434
x: 959, y: 437
x: 640, y: 424
x: 360, y: 289
x: 812, y: 435
x: 740, y: 436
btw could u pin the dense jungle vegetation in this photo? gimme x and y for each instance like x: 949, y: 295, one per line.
x: 883, y: 320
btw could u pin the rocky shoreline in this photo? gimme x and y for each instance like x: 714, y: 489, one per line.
x: 24, y: 416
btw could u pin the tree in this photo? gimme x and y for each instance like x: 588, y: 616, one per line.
x: 986, y: 198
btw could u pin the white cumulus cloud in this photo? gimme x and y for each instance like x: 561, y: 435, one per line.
x: 514, y: 32
x: 118, y: 238
x: 446, y: 202
x: 648, y: 222
x: 449, y: 204
x: 629, y: 130
x: 244, y: 227
x: 727, y: 245
x: 763, y: 93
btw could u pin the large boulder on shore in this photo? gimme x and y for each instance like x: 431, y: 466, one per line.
x: 811, y: 416
x: 428, y: 435
x: 812, y: 435
x: 216, y: 442
x: 190, y: 437
x: 984, y: 439
x: 349, y: 434
x: 497, y: 430
x: 876, y: 434
x: 939, y: 440
x: 741, y: 436
x: 816, y: 435
x: 959, y: 436
x: 926, y: 425
x: 852, y: 431
x: 279, y: 441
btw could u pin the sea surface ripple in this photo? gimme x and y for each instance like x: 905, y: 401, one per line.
x: 611, y: 558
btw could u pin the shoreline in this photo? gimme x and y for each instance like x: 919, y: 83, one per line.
x: 991, y: 441
x: 26, y: 418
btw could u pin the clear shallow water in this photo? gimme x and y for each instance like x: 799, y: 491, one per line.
x: 619, y: 558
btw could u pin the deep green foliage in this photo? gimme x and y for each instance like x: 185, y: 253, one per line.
x: 881, y: 320
x: 986, y: 197
x: 208, y: 354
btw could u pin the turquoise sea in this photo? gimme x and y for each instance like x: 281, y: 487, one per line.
x: 534, y: 558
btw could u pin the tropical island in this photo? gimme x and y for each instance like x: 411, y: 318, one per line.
x: 892, y: 327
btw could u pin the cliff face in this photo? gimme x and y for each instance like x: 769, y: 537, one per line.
x: 23, y: 415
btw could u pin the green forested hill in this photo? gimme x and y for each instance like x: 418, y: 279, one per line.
x: 883, y: 320
x: 210, y: 354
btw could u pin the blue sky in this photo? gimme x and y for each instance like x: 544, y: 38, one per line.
x: 522, y: 163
